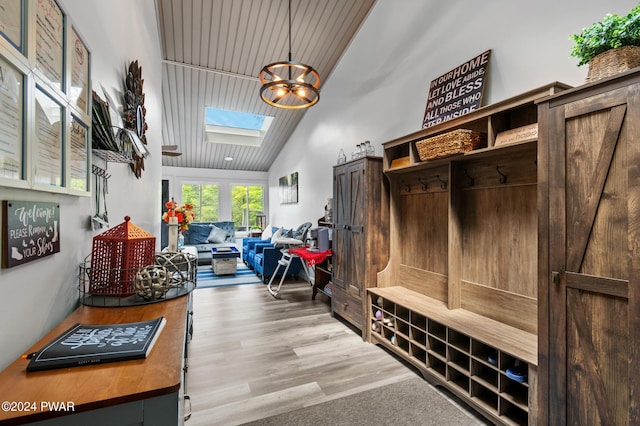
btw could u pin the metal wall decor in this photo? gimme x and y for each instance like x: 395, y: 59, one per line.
x: 134, y: 114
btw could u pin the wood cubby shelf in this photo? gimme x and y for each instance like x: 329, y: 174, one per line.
x: 458, y: 297
x: 490, y: 120
x: 471, y: 355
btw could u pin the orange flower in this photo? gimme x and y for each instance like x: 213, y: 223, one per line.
x: 183, y: 213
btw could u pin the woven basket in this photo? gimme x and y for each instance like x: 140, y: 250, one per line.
x: 454, y: 142
x: 613, y: 61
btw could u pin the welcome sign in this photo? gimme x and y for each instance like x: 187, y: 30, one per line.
x: 456, y: 92
x: 30, y: 231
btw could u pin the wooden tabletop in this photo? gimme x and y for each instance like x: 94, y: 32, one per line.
x: 96, y: 386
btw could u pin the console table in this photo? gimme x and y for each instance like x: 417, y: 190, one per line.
x: 148, y: 391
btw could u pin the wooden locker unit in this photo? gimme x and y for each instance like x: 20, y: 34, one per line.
x: 589, y: 282
x: 459, y: 295
x: 360, y: 242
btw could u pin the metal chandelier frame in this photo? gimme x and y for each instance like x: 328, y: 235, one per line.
x: 289, y: 84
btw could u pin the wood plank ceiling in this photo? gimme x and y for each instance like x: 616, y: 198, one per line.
x: 213, y: 51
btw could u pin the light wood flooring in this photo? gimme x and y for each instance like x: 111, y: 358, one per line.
x: 253, y: 356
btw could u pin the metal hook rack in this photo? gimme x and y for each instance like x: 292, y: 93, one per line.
x: 423, y: 184
x: 503, y: 177
x: 443, y: 183
x: 100, y: 172
x: 470, y: 181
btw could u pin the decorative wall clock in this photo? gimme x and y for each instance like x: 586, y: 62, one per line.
x: 135, y: 112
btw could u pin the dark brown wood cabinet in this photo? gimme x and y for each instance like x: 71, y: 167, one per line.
x: 589, y: 281
x: 360, y: 247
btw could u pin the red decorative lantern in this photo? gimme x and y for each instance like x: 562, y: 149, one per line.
x: 116, y: 256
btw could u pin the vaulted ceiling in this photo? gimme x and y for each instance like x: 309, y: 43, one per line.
x: 213, y: 51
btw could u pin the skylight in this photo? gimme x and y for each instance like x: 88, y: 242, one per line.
x: 235, y: 128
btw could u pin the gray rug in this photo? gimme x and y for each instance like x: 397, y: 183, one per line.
x: 411, y: 402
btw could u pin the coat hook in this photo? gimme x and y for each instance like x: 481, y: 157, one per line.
x: 470, y: 181
x: 503, y: 177
x: 424, y: 184
x: 407, y: 187
x: 443, y: 183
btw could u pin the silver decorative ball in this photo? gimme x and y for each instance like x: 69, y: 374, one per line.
x: 152, y: 282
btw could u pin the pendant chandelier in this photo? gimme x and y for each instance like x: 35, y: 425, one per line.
x: 288, y: 84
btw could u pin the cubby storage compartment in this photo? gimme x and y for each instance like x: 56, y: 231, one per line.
x: 459, y: 359
x: 473, y: 361
x: 437, y: 365
x: 402, y: 327
x: 484, y: 374
x: 484, y: 395
x: 514, y: 414
x: 418, y: 335
x: 458, y: 378
x: 418, y: 353
x: 437, y: 330
x: 397, y: 157
x: 514, y: 391
x: 484, y: 353
x: 458, y: 340
x: 437, y: 346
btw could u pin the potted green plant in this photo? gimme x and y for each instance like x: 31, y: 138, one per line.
x: 609, y: 46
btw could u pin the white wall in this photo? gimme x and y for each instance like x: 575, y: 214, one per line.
x: 379, y: 89
x: 38, y: 295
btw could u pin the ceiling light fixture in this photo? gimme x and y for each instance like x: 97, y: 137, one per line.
x: 288, y: 84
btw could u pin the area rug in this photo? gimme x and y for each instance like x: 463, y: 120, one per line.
x: 410, y: 402
x: 244, y: 275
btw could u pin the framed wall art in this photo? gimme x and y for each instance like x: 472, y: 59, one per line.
x: 11, y: 22
x: 45, y: 99
x: 289, y: 189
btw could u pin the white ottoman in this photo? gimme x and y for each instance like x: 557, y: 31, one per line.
x: 225, y: 266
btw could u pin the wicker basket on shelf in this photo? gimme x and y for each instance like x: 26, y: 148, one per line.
x: 613, y: 61
x: 455, y: 142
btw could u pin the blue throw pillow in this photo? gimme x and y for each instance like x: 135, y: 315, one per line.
x: 199, y: 233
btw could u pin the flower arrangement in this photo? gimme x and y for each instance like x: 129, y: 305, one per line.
x: 184, y: 213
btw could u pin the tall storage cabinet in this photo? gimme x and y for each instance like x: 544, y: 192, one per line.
x: 360, y: 235
x: 589, y: 276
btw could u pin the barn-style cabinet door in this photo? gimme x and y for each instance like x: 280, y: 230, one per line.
x: 589, y: 198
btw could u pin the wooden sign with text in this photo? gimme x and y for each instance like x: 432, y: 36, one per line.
x: 30, y: 231
x: 456, y: 92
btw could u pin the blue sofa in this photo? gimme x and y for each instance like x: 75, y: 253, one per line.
x: 262, y: 256
x: 200, y: 235
x: 266, y: 262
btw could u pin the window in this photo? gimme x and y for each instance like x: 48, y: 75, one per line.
x: 246, y: 203
x: 235, y: 128
x: 205, y: 201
